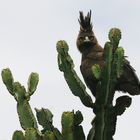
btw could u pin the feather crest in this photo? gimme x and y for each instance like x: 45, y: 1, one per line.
x: 85, y: 21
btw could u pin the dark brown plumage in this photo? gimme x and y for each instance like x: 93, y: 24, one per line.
x: 92, y: 53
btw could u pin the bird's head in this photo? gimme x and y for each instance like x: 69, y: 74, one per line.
x: 86, y: 38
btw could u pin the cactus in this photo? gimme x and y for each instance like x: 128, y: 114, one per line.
x: 44, y: 116
x: 18, y: 135
x: 45, y: 119
x: 104, y: 122
x: 32, y: 134
x: 71, y: 128
x: 106, y: 113
x: 66, y: 65
x: 8, y: 80
x: 32, y: 83
x: 26, y: 117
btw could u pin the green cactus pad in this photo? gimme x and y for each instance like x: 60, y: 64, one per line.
x: 8, y: 80
x: 44, y: 117
x: 78, y: 118
x: 119, y: 58
x: 66, y: 65
x: 32, y: 134
x: 32, y: 83
x: 49, y: 136
x: 62, y: 45
x: 26, y: 116
x: 114, y: 36
x: 18, y: 135
x: 67, y: 126
x: 71, y: 128
x: 20, y: 92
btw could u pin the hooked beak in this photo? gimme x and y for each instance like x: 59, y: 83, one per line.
x: 86, y: 39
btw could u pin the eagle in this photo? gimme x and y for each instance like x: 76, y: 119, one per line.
x: 92, y: 53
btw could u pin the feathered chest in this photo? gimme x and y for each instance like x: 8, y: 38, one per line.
x: 89, y: 60
x: 92, y: 58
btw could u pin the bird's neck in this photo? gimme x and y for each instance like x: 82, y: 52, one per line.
x: 93, y: 49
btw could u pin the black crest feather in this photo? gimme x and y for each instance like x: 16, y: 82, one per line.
x: 85, y: 21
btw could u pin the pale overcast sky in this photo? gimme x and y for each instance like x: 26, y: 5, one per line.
x: 29, y: 31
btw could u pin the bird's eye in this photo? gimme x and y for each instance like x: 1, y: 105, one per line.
x: 91, y: 37
x: 81, y: 38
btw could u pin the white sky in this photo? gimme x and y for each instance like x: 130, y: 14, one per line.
x: 29, y: 31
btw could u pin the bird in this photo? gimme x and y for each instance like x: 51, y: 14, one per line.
x: 92, y: 53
